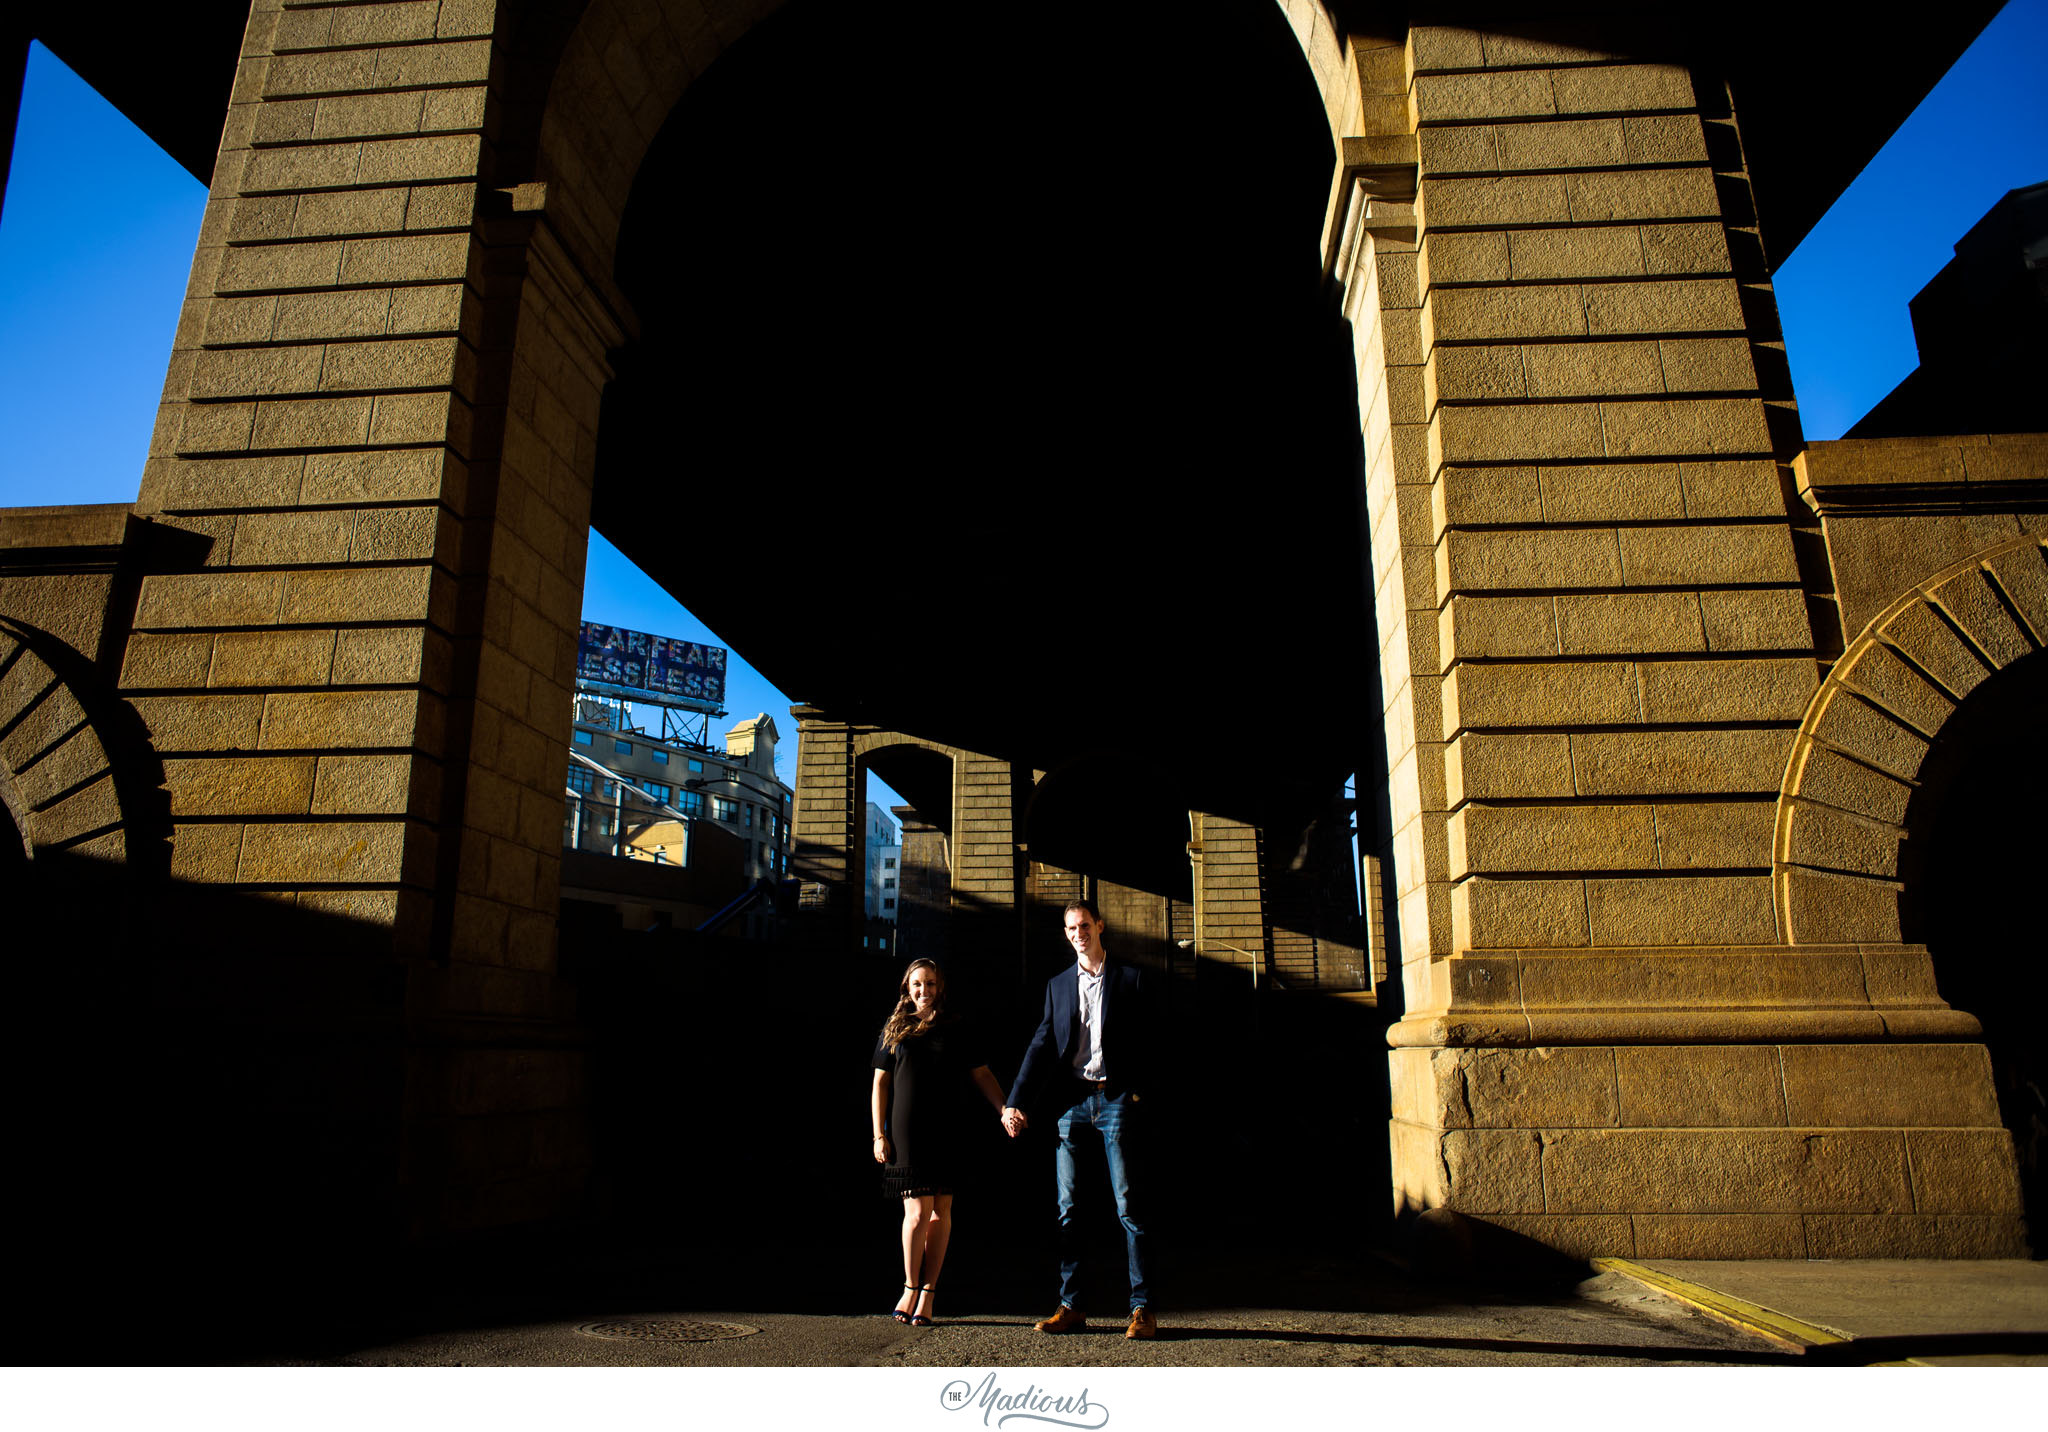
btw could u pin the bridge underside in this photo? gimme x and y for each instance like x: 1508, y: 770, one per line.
x: 1071, y: 408
x: 1104, y: 421
x: 1221, y: 406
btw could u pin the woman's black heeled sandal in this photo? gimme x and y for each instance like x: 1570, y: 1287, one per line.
x: 923, y: 1320
x: 902, y: 1315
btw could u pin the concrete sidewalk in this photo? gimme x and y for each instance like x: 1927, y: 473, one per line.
x: 1921, y: 1312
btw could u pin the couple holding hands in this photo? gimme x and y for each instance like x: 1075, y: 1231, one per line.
x: 1090, y: 1060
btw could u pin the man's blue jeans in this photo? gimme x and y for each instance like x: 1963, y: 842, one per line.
x: 1118, y: 1123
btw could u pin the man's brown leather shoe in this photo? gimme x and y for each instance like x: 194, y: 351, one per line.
x: 1066, y: 1320
x: 1142, y: 1325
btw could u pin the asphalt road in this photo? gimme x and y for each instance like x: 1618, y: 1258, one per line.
x: 1367, y: 1315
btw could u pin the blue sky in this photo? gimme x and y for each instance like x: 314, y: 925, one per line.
x: 97, y: 232
x: 95, y: 243
x: 1842, y: 293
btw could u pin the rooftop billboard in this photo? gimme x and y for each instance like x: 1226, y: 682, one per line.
x: 654, y: 668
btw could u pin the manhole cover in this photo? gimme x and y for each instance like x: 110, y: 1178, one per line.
x: 666, y: 1330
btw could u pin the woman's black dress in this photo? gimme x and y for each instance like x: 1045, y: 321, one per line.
x: 931, y: 1100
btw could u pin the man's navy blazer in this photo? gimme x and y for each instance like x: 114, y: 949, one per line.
x: 1129, y: 1036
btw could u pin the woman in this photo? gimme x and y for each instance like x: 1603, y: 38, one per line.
x: 927, y: 1067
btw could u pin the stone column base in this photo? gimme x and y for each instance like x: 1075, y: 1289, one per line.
x: 1759, y: 1102
x: 1737, y: 1151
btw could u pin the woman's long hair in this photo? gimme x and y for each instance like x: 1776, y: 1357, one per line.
x: 903, y: 1022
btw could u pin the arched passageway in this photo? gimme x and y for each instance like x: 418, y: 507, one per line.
x: 1031, y: 298
x: 915, y: 900
x: 1976, y: 844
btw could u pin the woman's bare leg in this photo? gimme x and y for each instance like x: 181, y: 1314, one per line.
x: 916, y: 1212
x: 938, y: 1232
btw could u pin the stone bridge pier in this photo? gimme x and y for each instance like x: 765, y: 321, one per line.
x: 1608, y: 623
x: 992, y: 898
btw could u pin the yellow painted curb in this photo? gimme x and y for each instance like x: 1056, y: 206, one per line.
x: 1786, y: 1332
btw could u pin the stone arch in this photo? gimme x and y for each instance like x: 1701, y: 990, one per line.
x: 1854, y: 763
x: 981, y: 821
x: 569, y: 164
x: 622, y: 70
x: 875, y: 743
x: 1323, y: 46
x: 58, y: 784
x: 942, y: 766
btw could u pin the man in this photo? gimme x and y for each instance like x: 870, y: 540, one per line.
x: 1091, y: 1058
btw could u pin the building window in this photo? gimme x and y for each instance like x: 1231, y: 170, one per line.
x: 747, y: 816
x: 624, y: 748
x: 890, y: 883
x: 888, y: 862
x: 660, y: 757
x: 690, y: 803
x: 723, y: 809
x: 581, y: 780
x: 697, y: 767
x: 659, y: 792
x: 890, y: 903
x: 582, y: 738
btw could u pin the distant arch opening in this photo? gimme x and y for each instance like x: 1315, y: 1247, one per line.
x: 910, y: 906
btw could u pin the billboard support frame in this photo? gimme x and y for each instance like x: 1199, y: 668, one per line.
x: 679, y: 725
